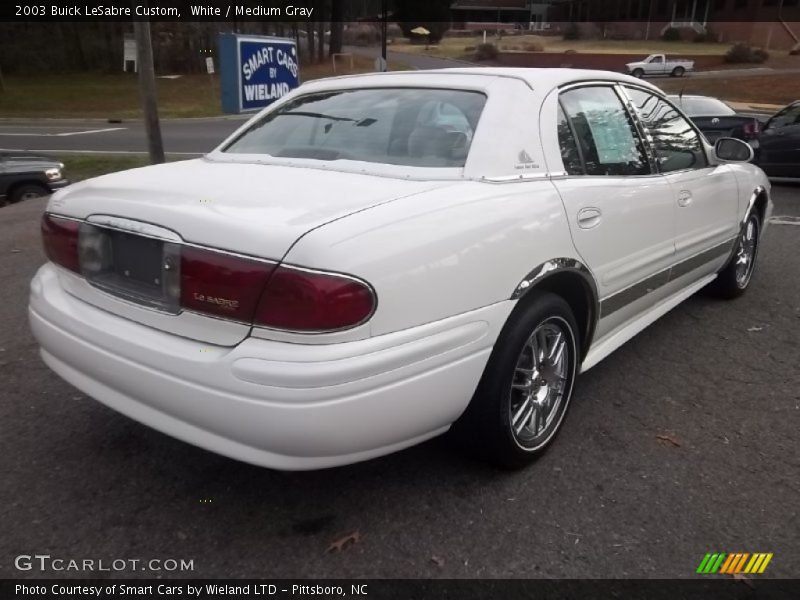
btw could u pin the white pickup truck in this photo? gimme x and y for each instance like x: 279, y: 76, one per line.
x: 659, y: 64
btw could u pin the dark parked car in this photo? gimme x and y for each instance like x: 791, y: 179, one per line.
x: 716, y: 119
x: 779, y: 154
x: 24, y: 176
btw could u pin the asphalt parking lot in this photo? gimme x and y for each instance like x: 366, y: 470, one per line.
x: 682, y: 442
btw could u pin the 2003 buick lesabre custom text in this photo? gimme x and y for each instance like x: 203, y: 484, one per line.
x: 377, y: 259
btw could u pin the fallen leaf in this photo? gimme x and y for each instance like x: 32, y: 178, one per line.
x: 754, y: 328
x: 344, y: 542
x: 745, y: 580
x: 669, y: 439
x: 438, y: 561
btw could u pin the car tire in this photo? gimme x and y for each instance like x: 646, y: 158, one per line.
x: 734, y: 279
x: 638, y: 73
x: 678, y: 72
x: 523, y: 395
x: 27, y: 191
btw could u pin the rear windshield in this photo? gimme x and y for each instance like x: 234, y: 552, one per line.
x: 704, y: 107
x: 413, y: 127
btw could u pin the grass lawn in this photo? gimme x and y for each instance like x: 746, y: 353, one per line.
x: 117, y: 96
x: 757, y: 89
x: 78, y: 167
x: 455, y: 47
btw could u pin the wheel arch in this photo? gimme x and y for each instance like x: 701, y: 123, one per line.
x: 12, y: 187
x: 571, y: 280
x: 759, y: 200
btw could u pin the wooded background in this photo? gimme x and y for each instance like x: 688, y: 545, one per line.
x: 182, y: 46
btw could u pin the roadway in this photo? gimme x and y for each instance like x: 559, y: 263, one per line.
x: 682, y: 442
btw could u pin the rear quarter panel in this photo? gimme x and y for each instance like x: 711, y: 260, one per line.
x: 445, y: 252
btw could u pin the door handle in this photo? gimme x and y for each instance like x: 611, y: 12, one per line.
x: 685, y: 198
x: 589, y: 217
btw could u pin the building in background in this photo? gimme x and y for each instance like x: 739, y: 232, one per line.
x: 772, y: 24
x: 500, y: 14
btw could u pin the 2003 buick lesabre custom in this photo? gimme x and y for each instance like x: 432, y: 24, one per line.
x: 375, y: 259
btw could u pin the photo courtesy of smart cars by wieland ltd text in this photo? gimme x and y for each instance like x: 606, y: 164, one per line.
x: 255, y: 70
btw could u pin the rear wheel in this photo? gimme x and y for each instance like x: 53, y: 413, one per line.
x: 27, y: 191
x: 525, y: 390
x: 678, y: 72
x: 735, y: 278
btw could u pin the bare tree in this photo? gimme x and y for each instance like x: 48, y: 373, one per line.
x: 337, y: 27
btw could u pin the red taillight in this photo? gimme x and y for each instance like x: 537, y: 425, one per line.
x: 751, y: 130
x: 303, y: 300
x: 60, y: 240
x: 220, y: 284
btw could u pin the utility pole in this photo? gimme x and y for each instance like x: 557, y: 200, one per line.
x: 384, y: 33
x: 147, y: 90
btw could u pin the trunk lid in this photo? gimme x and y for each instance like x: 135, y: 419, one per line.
x: 247, y: 208
x: 250, y: 209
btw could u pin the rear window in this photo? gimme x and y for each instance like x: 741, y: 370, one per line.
x: 413, y: 127
x: 703, y: 107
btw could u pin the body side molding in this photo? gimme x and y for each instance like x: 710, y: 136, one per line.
x: 556, y: 266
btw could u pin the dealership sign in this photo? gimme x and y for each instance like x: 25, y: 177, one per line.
x: 256, y: 70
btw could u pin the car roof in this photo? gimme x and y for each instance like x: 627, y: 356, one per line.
x: 540, y: 79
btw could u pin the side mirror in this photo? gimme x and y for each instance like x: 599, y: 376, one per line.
x: 733, y: 150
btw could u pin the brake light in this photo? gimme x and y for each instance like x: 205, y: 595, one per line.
x: 304, y: 300
x: 60, y: 240
x: 751, y: 130
x: 222, y: 285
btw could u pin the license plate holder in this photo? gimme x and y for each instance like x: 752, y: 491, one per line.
x: 140, y: 269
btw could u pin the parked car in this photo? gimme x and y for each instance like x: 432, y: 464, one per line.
x: 716, y: 119
x: 779, y: 152
x: 348, y: 274
x: 24, y: 176
x: 660, y: 64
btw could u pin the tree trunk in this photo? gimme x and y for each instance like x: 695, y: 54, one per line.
x: 310, y: 41
x: 321, y: 33
x: 337, y: 27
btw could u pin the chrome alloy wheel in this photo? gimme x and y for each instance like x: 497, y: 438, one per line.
x: 746, y: 253
x: 540, y: 385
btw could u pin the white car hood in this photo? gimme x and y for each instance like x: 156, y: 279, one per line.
x: 253, y: 209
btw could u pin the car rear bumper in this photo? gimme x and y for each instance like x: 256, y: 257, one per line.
x: 274, y: 404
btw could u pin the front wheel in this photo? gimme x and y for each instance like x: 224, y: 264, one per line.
x: 525, y: 390
x: 27, y: 191
x: 638, y: 73
x: 734, y: 279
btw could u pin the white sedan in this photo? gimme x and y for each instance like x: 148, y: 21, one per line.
x: 377, y: 259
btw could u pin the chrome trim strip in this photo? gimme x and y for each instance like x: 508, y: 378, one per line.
x: 698, y: 260
x: 633, y: 293
x: 545, y: 269
x: 523, y: 177
x: 750, y: 204
x: 561, y: 265
x: 136, y: 227
x: 637, y: 291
